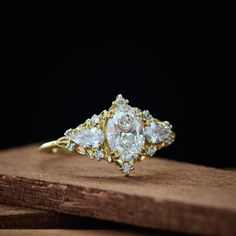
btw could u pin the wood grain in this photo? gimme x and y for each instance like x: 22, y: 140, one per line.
x: 56, y: 232
x: 14, y: 217
x: 161, y: 194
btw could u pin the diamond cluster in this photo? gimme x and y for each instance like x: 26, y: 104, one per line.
x: 122, y: 135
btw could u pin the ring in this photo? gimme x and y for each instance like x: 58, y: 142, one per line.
x: 122, y: 135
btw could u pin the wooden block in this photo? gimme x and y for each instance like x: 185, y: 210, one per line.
x: 161, y: 194
x: 14, y: 217
x: 56, y: 232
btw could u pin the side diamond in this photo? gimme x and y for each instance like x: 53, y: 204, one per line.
x: 91, y: 137
x: 156, y: 133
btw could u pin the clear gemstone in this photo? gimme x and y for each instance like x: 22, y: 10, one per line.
x: 68, y: 133
x: 95, y: 119
x: 126, y: 167
x: 69, y: 146
x: 127, y: 156
x: 91, y: 137
x: 147, y: 115
x: 120, y: 100
x: 99, y: 154
x: 151, y: 150
x: 156, y: 132
x: 124, y: 133
x: 170, y: 139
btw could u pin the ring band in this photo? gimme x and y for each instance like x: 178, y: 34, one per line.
x: 122, y: 135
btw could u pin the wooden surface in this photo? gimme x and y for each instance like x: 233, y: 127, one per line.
x: 15, y: 217
x: 79, y: 233
x: 12, y: 217
x: 161, y: 193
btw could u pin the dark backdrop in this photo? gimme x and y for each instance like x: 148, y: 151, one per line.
x: 63, y: 63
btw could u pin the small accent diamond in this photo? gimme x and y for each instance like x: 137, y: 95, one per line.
x: 68, y: 133
x: 147, y: 115
x: 95, y: 119
x: 120, y: 100
x: 99, y: 154
x: 126, y: 167
x: 170, y: 139
x: 69, y: 146
x: 151, y: 150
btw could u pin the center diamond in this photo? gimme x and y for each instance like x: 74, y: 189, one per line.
x: 124, y: 133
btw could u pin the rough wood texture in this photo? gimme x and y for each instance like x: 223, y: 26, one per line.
x: 14, y: 217
x: 162, y: 194
x: 79, y: 233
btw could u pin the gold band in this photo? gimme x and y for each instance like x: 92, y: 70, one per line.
x: 49, y: 147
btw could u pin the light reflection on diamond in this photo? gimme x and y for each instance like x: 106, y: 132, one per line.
x: 90, y: 137
x: 124, y: 133
x: 156, y: 132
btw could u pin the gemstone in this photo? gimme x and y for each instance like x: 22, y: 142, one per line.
x: 95, y: 119
x: 151, y: 150
x: 170, y: 139
x: 126, y: 167
x: 124, y: 133
x: 90, y: 137
x: 69, y: 146
x: 68, y: 133
x: 157, y: 132
x: 147, y: 115
x: 99, y: 154
x: 120, y: 100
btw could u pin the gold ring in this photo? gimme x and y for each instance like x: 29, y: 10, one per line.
x: 122, y: 135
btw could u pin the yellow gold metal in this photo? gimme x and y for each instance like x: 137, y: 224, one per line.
x: 66, y: 143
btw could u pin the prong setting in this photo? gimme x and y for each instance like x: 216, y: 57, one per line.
x: 122, y: 135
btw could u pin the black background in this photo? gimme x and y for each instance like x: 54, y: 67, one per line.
x: 63, y: 63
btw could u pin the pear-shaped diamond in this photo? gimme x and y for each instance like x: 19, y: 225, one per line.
x: 90, y: 137
x: 156, y: 133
